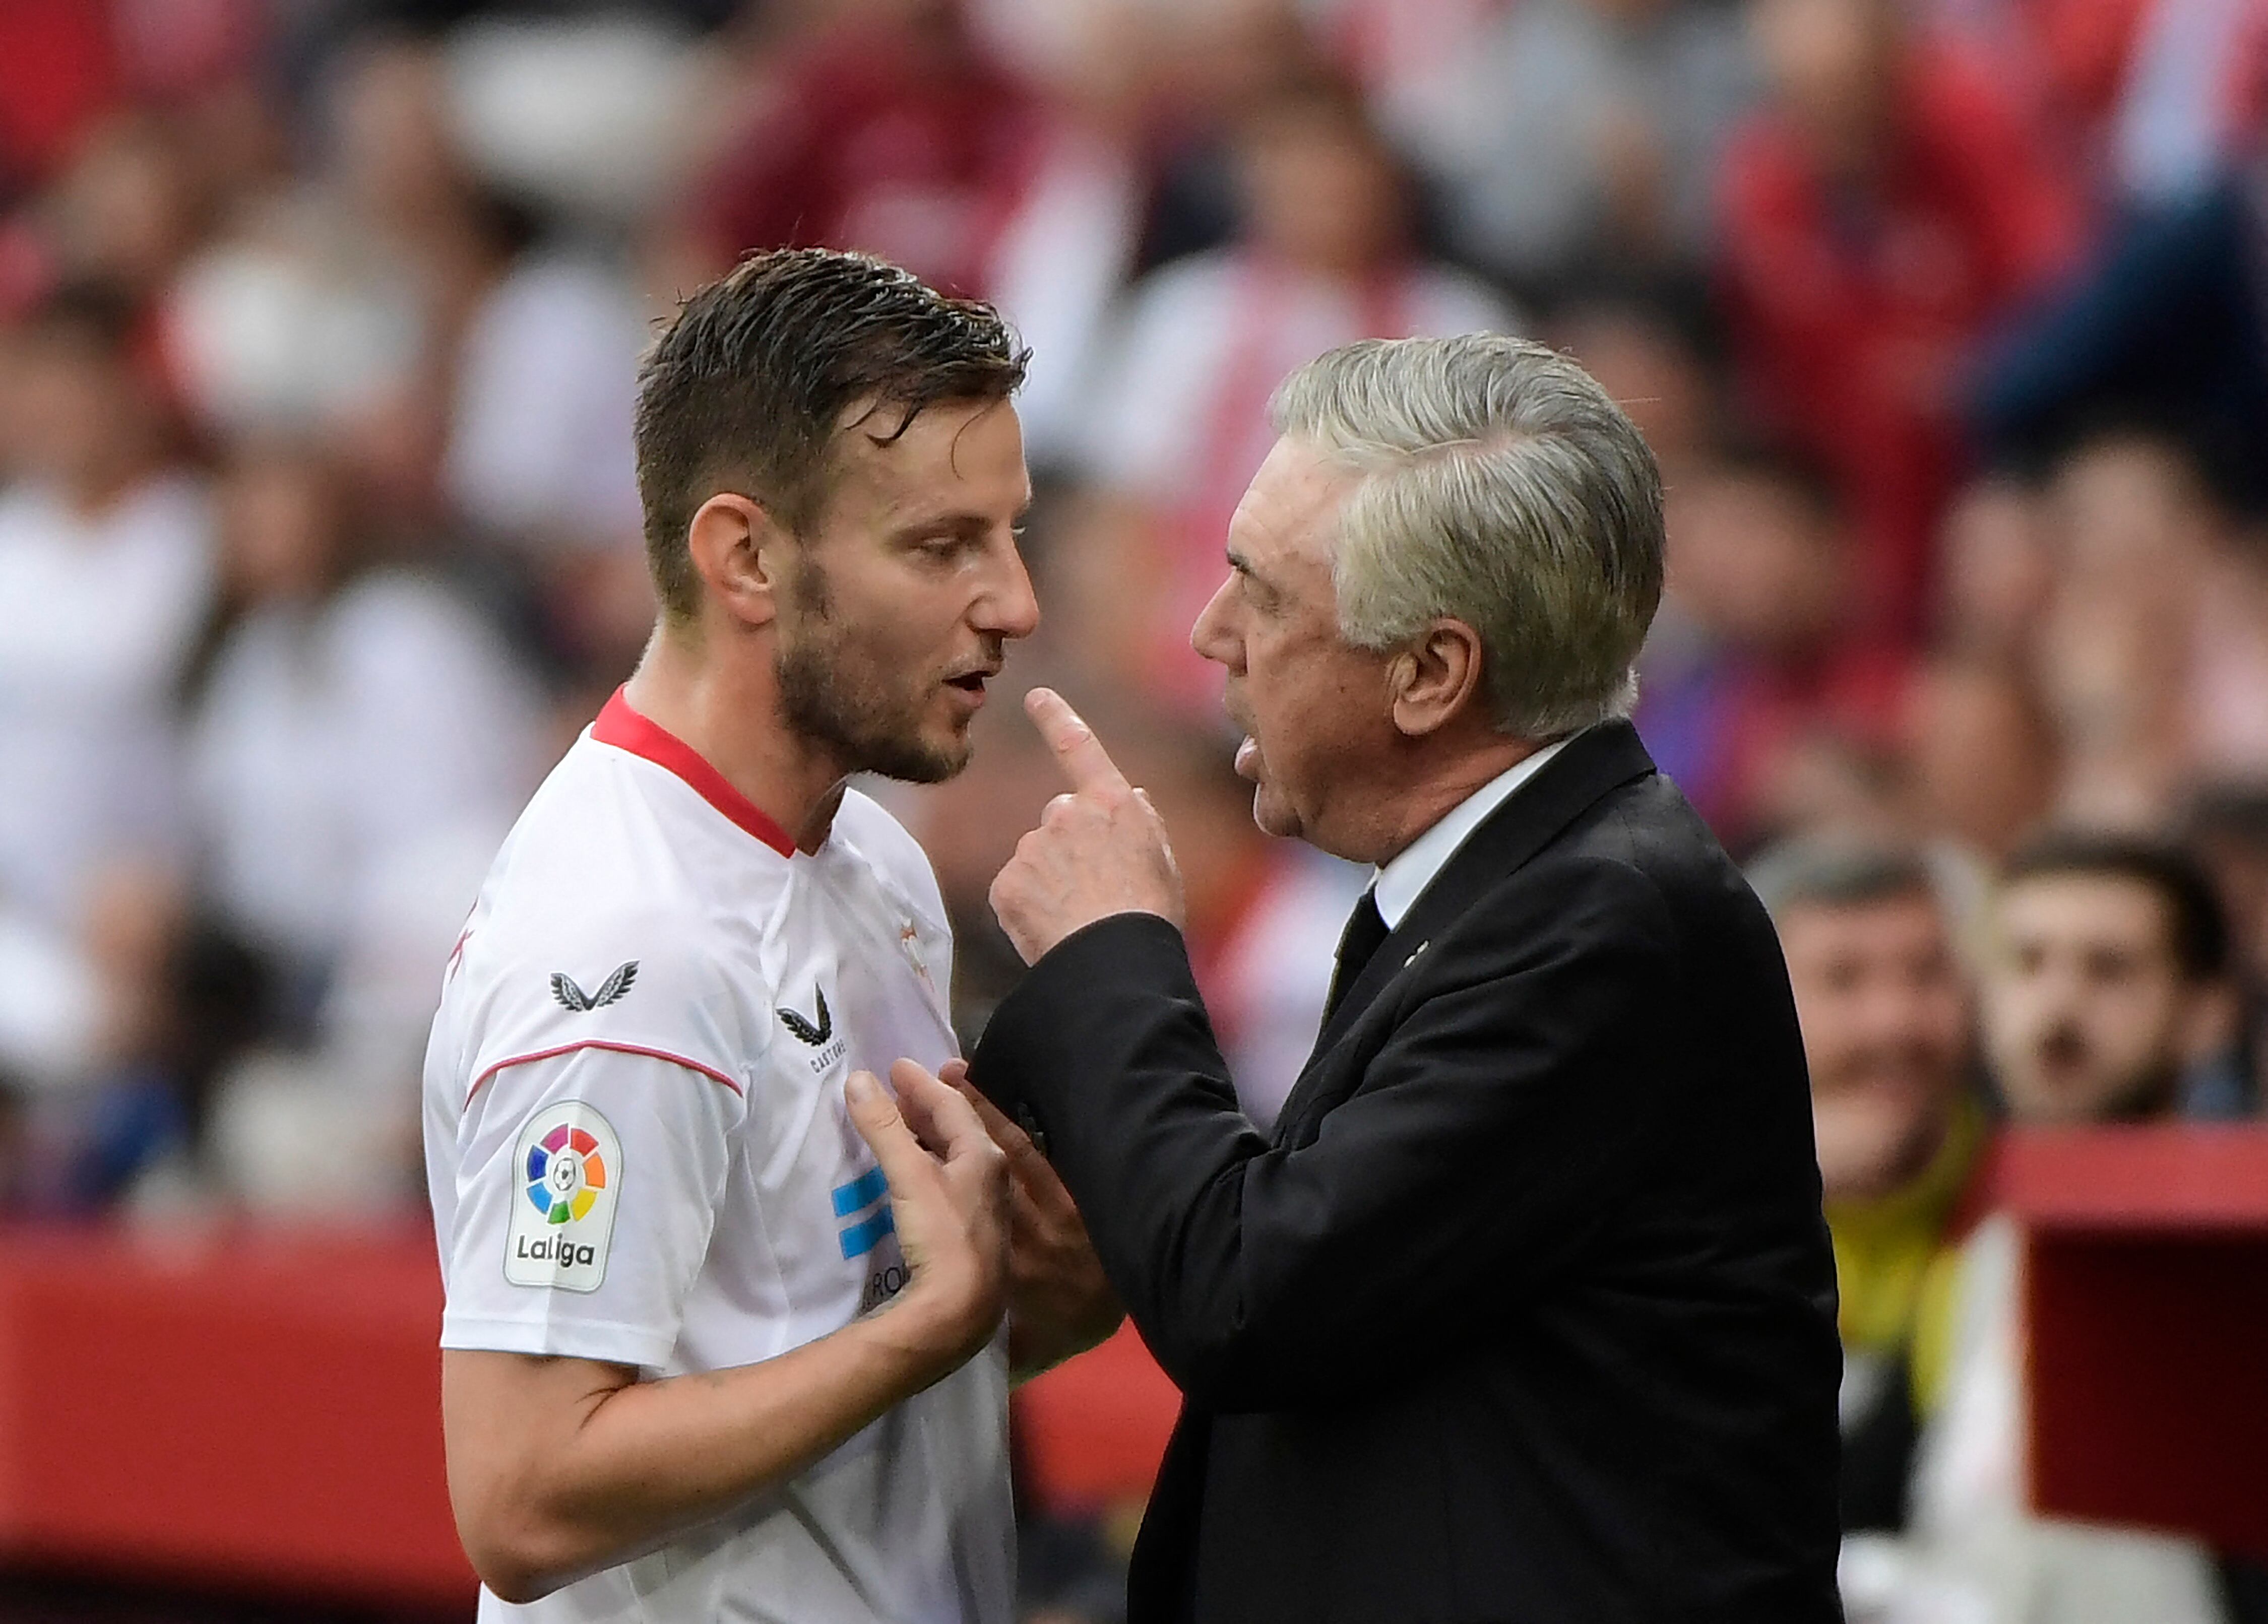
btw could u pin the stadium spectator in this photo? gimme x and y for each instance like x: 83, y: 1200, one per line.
x: 1886, y: 207
x: 1770, y: 706
x: 1980, y: 755
x: 2107, y: 995
x: 1323, y: 256
x: 346, y: 716
x: 105, y: 559
x: 2103, y: 990
x: 888, y: 130
x: 1571, y: 136
x: 1883, y: 1001
x: 2153, y: 650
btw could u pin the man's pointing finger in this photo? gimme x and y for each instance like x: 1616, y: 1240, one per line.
x: 1084, y: 760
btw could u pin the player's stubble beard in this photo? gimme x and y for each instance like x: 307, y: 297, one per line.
x: 835, y: 694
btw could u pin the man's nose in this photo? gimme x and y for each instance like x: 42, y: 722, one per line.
x: 1012, y: 608
x: 1211, y: 636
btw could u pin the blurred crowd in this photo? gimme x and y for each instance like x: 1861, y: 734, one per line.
x: 1947, y: 318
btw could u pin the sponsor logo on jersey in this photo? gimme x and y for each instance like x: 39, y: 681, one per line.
x: 611, y: 990
x: 818, y: 1032
x: 863, y: 1222
x: 811, y: 1031
x: 568, y: 1167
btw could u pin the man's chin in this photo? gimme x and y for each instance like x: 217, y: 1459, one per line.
x: 926, y: 757
x: 1274, y: 815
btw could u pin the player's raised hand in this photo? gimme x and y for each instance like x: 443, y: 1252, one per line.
x: 1099, y: 851
x: 949, y: 1198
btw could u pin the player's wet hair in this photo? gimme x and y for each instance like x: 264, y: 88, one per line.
x: 746, y: 388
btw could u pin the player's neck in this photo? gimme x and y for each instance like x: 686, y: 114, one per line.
x: 727, y: 711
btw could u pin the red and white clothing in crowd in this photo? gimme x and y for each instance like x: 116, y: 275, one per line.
x: 926, y: 152
x: 97, y: 613
x: 1855, y: 305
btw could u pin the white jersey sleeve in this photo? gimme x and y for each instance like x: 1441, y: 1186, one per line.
x: 590, y: 1155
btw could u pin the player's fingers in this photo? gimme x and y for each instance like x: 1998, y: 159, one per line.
x: 881, y: 1125
x: 942, y: 1117
x: 954, y: 1073
x: 1078, y: 751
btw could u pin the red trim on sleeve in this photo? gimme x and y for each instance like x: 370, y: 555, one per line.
x: 624, y: 728
x: 710, y: 1072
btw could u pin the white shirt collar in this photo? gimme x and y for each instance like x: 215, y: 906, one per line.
x: 1399, y: 884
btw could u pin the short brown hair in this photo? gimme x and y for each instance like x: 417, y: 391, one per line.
x: 746, y: 387
x: 2197, y: 923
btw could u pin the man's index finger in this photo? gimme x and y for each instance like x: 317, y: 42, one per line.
x: 1084, y: 760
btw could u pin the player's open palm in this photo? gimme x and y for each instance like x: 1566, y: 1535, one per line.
x: 949, y: 1194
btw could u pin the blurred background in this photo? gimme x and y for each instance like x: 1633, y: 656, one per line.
x: 1947, y: 318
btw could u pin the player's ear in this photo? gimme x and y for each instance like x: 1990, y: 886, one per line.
x: 1437, y: 679
x: 741, y: 552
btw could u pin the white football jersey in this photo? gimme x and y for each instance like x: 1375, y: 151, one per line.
x: 639, y: 1152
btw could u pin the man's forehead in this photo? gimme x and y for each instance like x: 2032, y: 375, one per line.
x: 1914, y: 912
x: 1291, y: 509
x: 943, y: 451
x: 2097, y: 906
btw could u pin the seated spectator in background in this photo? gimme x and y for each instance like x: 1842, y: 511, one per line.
x: 1657, y: 356
x: 2108, y: 997
x: 350, y: 725
x: 1569, y: 136
x: 1179, y: 424
x: 1761, y: 698
x: 2102, y: 988
x: 2154, y: 652
x: 1884, y: 1005
x: 896, y: 127
x: 889, y: 131
x: 1887, y: 207
x: 1995, y: 572
x: 539, y: 437
x: 1979, y: 754
x: 106, y: 557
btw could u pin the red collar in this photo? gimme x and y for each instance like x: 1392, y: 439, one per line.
x: 624, y: 728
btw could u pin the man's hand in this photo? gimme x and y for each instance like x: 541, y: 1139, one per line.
x: 949, y: 1198
x: 1059, y: 1301
x: 1099, y: 851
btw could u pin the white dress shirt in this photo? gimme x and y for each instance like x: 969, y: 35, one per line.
x: 1400, y: 882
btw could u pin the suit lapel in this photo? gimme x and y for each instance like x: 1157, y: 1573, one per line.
x: 1597, y: 760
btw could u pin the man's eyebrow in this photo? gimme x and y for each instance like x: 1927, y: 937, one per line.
x: 962, y: 521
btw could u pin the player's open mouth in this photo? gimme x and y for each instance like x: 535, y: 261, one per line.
x: 971, y: 685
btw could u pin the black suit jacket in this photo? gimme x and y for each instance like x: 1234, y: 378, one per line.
x: 1526, y: 1314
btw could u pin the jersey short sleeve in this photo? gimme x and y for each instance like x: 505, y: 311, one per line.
x: 602, y: 1093
x: 587, y: 1188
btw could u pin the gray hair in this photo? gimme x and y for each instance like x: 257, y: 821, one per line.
x: 1834, y: 871
x: 1502, y: 487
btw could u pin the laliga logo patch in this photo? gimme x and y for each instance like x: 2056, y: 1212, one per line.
x: 569, y: 1166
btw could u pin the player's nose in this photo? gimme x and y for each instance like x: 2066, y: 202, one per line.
x: 1011, y: 608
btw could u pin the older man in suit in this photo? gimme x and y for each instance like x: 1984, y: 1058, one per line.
x: 1525, y: 1311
